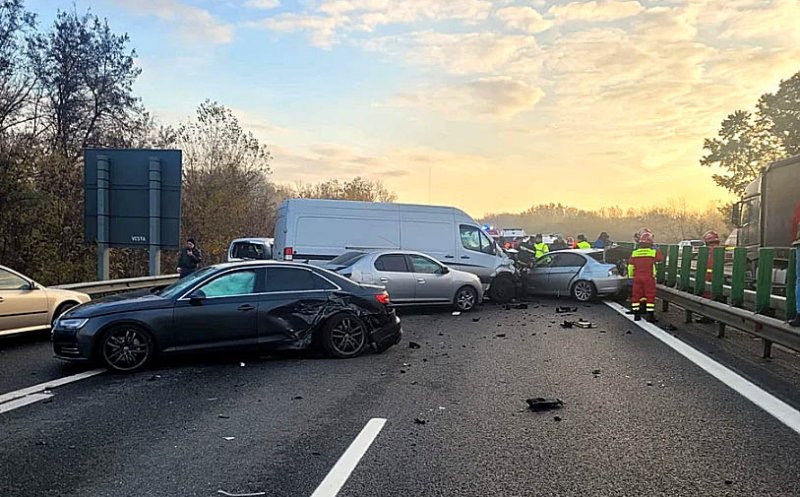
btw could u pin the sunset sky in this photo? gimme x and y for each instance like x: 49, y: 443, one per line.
x: 503, y: 103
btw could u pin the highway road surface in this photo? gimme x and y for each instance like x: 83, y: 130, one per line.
x: 645, y: 413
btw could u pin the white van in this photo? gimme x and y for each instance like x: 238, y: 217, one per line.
x: 243, y: 249
x: 316, y: 231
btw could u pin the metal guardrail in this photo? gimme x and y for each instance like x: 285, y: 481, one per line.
x: 769, y: 329
x: 94, y: 288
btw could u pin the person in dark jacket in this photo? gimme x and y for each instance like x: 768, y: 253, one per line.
x: 190, y: 259
x: 603, y: 240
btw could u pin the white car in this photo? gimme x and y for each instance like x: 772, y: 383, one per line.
x: 411, y: 278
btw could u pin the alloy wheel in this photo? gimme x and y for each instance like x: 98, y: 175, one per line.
x: 583, y: 291
x: 465, y: 300
x: 348, y: 336
x: 126, y: 349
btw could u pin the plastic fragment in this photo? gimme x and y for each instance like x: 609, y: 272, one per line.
x: 542, y: 404
x: 567, y: 324
x: 419, y: 421
x: 456, y: 313
x: 252, y: 494
x: 413, y: 345
x: 229, y: 438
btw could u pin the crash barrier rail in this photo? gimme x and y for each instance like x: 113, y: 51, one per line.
x: 684, y: 282
x: 96, y: 288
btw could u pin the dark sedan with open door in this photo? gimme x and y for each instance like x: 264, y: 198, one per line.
x: 235, y: 306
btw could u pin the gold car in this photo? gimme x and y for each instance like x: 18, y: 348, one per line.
x: 28, y: 306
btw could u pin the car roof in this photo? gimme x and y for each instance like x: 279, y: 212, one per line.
x: 227, y: 265
x: 254, y: 239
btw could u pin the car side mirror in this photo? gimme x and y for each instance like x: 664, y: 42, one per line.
x: 32, y: 285
x: 197, y: 297
x: 445, y: 270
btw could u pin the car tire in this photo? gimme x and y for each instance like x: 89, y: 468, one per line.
x: 126, y: 349
x: 584, y: 291
x: 502, y: 290
x: 344, y: 336
x: 61, y: 309
x: 466, y: 299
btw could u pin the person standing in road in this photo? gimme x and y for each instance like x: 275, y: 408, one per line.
x: 642, y: 269
x: 582, y: 242
x: 603, y: 241
x: 540, y: 247
x: 190, y: 259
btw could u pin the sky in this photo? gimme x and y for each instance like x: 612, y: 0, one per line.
x: 490, y: 106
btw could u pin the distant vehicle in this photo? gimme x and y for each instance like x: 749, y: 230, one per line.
x: 695, y: 244
x: 411, y: 278
x: 28, y: 306
x: 578, y: 273
x: 231, y: 306
x: 513, y: 233
x: 317, y: 231
x: 258, y: 249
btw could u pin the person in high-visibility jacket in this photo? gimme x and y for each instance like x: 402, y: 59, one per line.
x: 642, y: 270
x: 582, y: 242
x: 540, y: 247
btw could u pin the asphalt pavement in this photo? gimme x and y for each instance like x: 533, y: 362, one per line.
x: 638, y: 418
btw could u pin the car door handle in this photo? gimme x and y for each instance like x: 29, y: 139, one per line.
x: 449, y: 257
x: 2, y: 299
x: 420, y: 280
x: 465, y: 257
x: 384, y: 280
x: 245, y: 308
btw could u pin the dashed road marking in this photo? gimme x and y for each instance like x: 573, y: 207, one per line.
x: 775, y: 407
x: 25, y: 396
x: 341, y: 471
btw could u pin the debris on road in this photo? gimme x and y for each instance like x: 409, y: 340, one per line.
x: 297, y: 397
x: 521, y: 306
x: 229, y: 438
x: 538, y: 404
x: 583, y: 324
x: 501, y: 335
x: 567, y: 324
x: 475, y: 320
x: 456, y: 313
x: 418, y: 421
x: 223, y: 416
x: 565, y: 309
x: 414, y: 345
x: 241, y: 364
x: 154, y: 377
x: 556, y: 418
x: 628, y: 332
x: 414, y: 382
x: 649, y: 383
x: 602, y: 331
x: 728, y: 482
x: 252, y: 494
x: 596, y: 372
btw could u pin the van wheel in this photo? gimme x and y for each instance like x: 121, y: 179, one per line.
x: 466, y: 299
x: 502, y: 290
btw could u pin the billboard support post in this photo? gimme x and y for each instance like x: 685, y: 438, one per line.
x: 155, y: 216
x: 103, y: 181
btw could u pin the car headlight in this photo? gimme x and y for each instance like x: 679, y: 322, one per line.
x: 71, y: 324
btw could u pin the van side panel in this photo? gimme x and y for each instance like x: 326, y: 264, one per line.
x: 281, y: 234
x: 432, y: 233
x: 328, y: 236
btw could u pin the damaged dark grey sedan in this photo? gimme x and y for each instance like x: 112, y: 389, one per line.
x: 236, y: 306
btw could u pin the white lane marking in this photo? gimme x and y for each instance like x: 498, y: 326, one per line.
x: 24, y: 401
x: 48, y: 385
x: 775, y: 407
x: 341, y: 471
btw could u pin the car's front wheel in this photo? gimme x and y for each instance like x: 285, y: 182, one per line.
x: 466, y: 299
x: 344, y: 336
x: 584, y: 291
x: 126, y: 349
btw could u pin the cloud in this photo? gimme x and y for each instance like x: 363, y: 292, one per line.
x: 462, y: 53
x: 262, y: 4
x: 525, y: 19
x: 596, y: 10
x: 193, y: 23
x: 321, y: 29
x: 497, y: 97
x: 760, y: 20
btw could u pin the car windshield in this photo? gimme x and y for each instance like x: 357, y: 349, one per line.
x: 180, y: 286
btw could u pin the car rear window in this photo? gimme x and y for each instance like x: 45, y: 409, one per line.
x: 250, y: 250
x: 393, y: 263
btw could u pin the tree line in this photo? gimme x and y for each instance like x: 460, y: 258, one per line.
x: 69, y: 86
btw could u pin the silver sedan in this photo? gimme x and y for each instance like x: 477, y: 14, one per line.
x: 411, y: 278
x: 581, y: 274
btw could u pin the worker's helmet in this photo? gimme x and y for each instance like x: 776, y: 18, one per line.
x: 646, y: 237
x: 711, y: 237
x: 582, y: 237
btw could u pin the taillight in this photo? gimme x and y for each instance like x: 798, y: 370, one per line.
x: 383, y: 298
x: 288, y: 254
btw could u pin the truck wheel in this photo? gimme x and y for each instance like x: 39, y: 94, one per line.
x: 502, y: 290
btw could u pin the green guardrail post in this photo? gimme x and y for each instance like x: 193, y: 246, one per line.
x: 700, y: 271
x: 766, y: 256
x: 791, y: 281
x: 672, y: 265
x: 737, y: 278
x: 686, y: 269
x: 718, y: 275
x: 661, y: 269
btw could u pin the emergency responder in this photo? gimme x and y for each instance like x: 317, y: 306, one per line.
x: 642, y: 269
x: 570, y: 242
x: 539, y: 246
x: 582, y: 242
